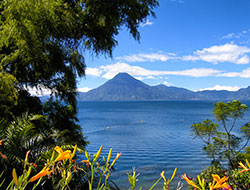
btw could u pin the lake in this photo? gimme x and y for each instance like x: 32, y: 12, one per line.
x: 152, y: 136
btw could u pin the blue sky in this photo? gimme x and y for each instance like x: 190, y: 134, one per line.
x: 194, y: 44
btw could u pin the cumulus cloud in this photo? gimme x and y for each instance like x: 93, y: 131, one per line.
x: 224, y: 53
x: 243, y: 74
x: 93, y: 71
x: 197, y: 72
x: 219, y: 87
x: 113, y: 69
x: 84, y: 89
x: 229, y: 52
x: 152, y: 57
x: 109, y: 71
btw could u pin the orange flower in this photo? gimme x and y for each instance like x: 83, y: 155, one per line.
x: 244, y: 167
x: 118, y: 155
x: 218, y: 182
x: 27, y: 156
x: 33, y: 164
x: 75, y: 166
x: 86, y: 161
x: 62, y: 155
x: 4, y: 157
x: 116, y: 158
x: 190, y: 182
x: 42, y: 173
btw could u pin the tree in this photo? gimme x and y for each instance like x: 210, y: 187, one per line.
x: 206, y: 131
x: 42, y: 45
x: 20, y: 136
x: 8, y: 93
x: 220, y: 140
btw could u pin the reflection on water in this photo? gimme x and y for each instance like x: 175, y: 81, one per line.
x: 152, y: 136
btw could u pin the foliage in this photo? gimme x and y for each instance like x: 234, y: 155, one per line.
x: 237, y: 178
x: 207, y: 172
x: 8, y: 93
x: 240, y: 177
x: 61, y: 167
x: 223, y: 144
x: 42, y: 45
x: 201, y: 184
x: 62, y: 119
x: 132, y: 179
x: 61, y: 163
x: 207, y: 175
x: 239, y: 181
x: 20, y: 136
x: 51, y: 53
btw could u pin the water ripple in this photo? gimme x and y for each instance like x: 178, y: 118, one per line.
x: 152, y: 136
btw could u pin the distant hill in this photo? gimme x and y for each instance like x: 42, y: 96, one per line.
x: 121, y: 87
x: 216, y: 94
x: 124, y: 87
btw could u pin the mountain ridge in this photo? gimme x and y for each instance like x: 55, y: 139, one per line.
x: 124, y: 87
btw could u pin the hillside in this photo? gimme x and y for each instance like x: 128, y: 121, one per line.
x: 124, y: 87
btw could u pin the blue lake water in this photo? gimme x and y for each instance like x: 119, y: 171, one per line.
x: 152, y: 136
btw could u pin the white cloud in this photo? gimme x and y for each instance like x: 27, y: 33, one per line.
x: 243, y: 74
x: 223, y: 53
x: 197, y: 72
x: 84, y: 89
x: 228, y: 36
x: 166, y: 83
x: 93, y: 71
x: 40, y: 91
x: 147, y: 23
x: 242, y: 37
x: 152, y: 57
x: 109, y: 71
x: 219, y: 87
x: 229, y: 52
x: 139, y: 78
x: 150, y: 77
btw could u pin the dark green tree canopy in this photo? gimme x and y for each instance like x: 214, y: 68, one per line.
x: 8, y: 93
x: 42, y: 45
x: 43, y: 42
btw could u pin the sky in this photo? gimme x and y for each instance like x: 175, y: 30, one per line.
x: 193, y: 44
